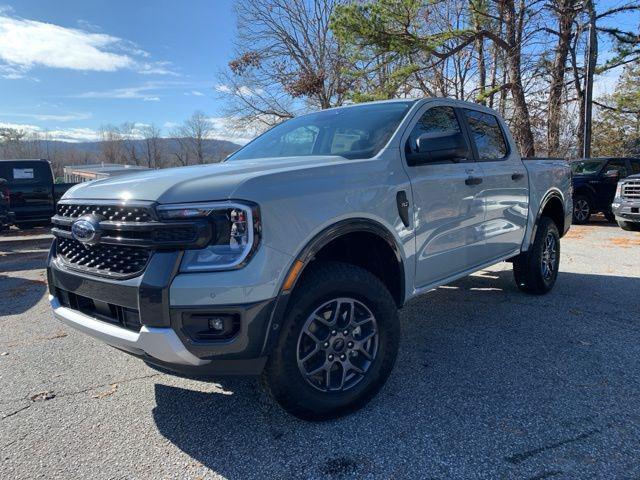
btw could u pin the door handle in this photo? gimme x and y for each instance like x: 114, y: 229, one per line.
x: 517, y: 176
x: 473, y: 180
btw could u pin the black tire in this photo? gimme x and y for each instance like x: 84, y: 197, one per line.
x: 629, y: 226
x: 528, y: 267
x: 582, y: 209
x: 609, y: 215
x: 323, y: 285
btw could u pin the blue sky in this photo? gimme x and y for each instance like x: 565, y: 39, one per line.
x: 71, y: 66
x: 107, y: 62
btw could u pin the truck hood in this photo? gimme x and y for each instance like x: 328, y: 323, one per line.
x: 217, y: 181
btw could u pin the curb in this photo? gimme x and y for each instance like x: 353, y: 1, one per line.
x: 40, y: 241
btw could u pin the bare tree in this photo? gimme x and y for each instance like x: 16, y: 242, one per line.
x: 110, y: 144
x: 286, y: 61
x: 152, y: 146
x: 194, y: 132
x: 130, y: 136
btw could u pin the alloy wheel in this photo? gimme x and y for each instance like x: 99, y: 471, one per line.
x: 337, y: 345
x: 581, y: 210
x: 549, y: 256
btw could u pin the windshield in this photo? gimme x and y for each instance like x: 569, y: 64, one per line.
x: 353, y: 132
x: 586, y: 167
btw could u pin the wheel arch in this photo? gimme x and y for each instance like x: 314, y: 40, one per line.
x: 588, y: 191
x: 553, y: 206
x: 352, y: 229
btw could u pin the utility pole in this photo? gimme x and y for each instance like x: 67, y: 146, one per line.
x: 592, y: 49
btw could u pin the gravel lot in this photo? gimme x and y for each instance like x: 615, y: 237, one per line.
x: 489, y: 383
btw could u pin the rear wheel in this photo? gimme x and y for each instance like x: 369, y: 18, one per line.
x: 338, y: 346
x: 536, y: 270
x: 581, y: 209
x: 629, y: 226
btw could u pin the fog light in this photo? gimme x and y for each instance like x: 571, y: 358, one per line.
x: 201, y: 326
x: 216, y: 324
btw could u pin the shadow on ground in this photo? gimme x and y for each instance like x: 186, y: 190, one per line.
x: 489, y: 383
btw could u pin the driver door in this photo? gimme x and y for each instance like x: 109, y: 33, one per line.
x: 448, y: 208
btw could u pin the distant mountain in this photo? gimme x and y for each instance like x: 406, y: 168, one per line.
x: 212, y: 146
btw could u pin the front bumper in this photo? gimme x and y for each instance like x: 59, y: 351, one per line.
x: 160, y: 343
x: 626, y: 210
x: 161, y: 334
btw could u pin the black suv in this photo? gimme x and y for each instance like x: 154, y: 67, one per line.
x: 594, y: 184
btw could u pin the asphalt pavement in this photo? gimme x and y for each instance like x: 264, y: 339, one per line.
x: 489, y: 383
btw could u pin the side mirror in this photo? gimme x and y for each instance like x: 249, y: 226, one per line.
x: 613, y: 173
x: 439, y: 147
x: 3, y: 182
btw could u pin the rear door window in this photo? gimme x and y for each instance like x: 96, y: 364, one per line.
x: 487, y: 135
x: 619, y: 165
x: 25, y: 173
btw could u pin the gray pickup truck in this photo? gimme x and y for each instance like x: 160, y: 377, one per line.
x: 626, y: 204
x: 291, y: 258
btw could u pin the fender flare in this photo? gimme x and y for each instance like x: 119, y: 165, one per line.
x: 308, y: 253
x: 551, y: 194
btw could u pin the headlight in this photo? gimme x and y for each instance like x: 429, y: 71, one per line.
x: 235, y: 230
x: 618, y: 190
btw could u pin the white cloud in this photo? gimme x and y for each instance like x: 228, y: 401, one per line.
x: 147, y: 91
x: 25, y: 44
x: 606, y: 84
x: 156, y: 68
x: 56, y: 117
x: 73, y: 135
x: 197, y: 93
x: 243, y: 90
x: 223, y: 129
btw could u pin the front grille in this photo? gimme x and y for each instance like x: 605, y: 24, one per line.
x: 631, y: 189
x: 103, y: 259
x: 127, y: 235
x: 113, y: 213
x: 106, y: 312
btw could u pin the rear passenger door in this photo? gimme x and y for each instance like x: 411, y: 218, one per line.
x: 505, y: 189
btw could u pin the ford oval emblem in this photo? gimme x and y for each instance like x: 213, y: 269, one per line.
x: 86, y: 230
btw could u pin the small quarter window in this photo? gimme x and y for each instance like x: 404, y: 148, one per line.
x: 487, y: 135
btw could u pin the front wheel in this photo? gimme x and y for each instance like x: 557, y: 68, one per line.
x: 581, y: 209
x: 609, y: 215
x: 629, y: 226
x: 338, y: 345
x: 536, y: 270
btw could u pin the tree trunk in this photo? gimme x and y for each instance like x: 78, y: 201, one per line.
x: 566, y: 11
x: 482, y: 70
x: 521, y: 123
